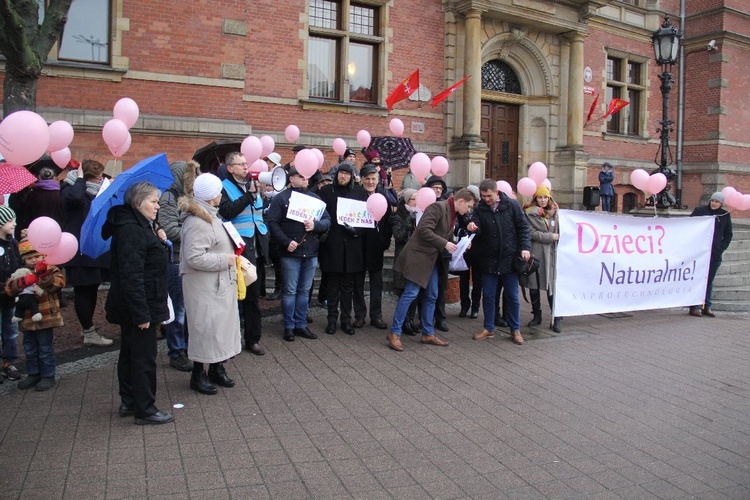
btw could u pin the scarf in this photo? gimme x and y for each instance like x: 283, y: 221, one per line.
x: 48, y: 185
x: 92, y: 188
x: 534, y: 210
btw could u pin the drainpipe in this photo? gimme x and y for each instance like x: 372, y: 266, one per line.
x: 681, y: 108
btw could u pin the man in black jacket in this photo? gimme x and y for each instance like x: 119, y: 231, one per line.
x: 502, y: 234
x: 298, y: 243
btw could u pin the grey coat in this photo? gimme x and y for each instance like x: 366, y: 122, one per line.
x: 209, y: 285
x: 545, y: 249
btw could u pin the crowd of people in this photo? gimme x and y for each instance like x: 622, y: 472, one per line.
x: 175, y: 260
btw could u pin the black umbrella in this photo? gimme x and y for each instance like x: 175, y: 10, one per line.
x: 395, y: 152
x: 212, y: 155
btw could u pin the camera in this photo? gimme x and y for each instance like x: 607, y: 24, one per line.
x: 711, y: 45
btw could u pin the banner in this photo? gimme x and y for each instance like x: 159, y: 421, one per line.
x: 354, y: 213
x: 303, y: 207
x: 614, y: 263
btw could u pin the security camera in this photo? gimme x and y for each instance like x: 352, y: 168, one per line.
x: 711, y: 45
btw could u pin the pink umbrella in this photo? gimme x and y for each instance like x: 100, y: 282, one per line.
x: 14, y: 178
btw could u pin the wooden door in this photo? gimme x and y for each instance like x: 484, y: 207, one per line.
x: 499, y: 130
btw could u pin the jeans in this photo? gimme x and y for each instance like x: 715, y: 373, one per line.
x: 427, y: 307
x: 509, y: 283
x: 713, y: 267
x: 298, y: 276
x: 177, y: 331
x: 9, y: 335
x: 606, y: 203
x: 40, y: 354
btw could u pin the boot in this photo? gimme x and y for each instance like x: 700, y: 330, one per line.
x: 217, y: 374
x: 199, y: 381
x: 29, y: 382
x: 91, y: 337
x: 331, y: 328
x: 556, y: 325
x: 536, y: 307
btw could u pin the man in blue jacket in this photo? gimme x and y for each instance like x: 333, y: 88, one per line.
x: 298, y: 244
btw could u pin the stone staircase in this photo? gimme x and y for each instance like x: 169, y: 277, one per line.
x: 732, y: 283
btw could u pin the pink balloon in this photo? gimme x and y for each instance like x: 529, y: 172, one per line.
x: 24, y: 137
x: 118, y: 152
x: 377, y: 205
x: 439, y: 166
x: 546, y: 183
x: 115, y: 133
x: 306, y: 163
x: 396, y: 127
x: 656, y: 183
x: 259, y: 165
x: 60, y: 135
x: 727, y: 190
x: 425, y: 197
x: 126, y: 110
x: 291, y: 133
x: 538, y: 172
x: 734, y: 200
x: 61, y: 157
x: 420, y: 166
x: 319, y: 155
x: 44, y: 234
x: 268, y: 145
x: 526, y: 186
x: 639, y: 178
x: 505, y: 187
x: 339, y: 145
x: 363, y: 138
x: 251, y: 149
x: 66, y: 249
x: 745, y: 204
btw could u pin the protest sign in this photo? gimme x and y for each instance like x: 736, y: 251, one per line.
x: 303, y: 207
x: 354, y: 213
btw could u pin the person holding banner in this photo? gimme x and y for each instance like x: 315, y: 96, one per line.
x: 502, y: 235
x: 541, y: 214
x: 298, y: 242
x: 421, y: 263
x: 721, y: 241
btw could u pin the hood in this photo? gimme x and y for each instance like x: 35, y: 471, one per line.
x: 188, y: 205
x: 184, y: 173
x: 344, y: 167
x: 121, y: 215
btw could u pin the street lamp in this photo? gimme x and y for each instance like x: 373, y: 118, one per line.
x: 666, y: 47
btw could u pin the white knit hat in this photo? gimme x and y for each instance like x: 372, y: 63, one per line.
x: 206, y: 187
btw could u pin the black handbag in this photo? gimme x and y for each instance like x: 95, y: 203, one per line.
x: 526, y: 267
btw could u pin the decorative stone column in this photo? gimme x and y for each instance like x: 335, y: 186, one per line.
x: 575, y: 93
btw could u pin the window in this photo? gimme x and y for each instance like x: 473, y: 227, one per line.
x: 343, y: 51
x: 624, y: 81
x: 498, y: 76
x: 86, y: 34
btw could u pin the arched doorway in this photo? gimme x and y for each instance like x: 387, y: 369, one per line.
x: 499, y: 126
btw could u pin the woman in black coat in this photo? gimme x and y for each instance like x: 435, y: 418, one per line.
x: 137, y: 299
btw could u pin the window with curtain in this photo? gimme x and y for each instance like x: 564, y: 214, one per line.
x: 343, y: 51
x: 625, y: 81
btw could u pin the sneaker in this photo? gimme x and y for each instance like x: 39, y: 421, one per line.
x: 181, y: 363
x: 45, y: 384
x: 92, y: 337
x: 11, y: 372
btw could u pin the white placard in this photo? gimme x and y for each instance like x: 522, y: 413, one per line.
x: 354, y: 213
x: 614, y: 263
x: 303, y: 207
x: 232, y: 232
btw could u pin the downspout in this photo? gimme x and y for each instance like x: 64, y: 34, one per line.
x: 681, y: 108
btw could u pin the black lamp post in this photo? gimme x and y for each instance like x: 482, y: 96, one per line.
x: 666, y: 47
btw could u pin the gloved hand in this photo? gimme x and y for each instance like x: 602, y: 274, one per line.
x: 351, y: 231
x: 28, y: 280
x: 40, y: 268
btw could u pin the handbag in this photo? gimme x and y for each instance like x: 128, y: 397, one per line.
x: 526, y: 267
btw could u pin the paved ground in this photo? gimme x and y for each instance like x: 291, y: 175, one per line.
x: 648, y: 405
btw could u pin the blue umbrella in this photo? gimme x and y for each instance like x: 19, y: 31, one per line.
x: 154, y: 170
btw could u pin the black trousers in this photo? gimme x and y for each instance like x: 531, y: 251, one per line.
x: 84, y: 301
x: 376, y: 294
x: 136, y: 368
x: 358, y: 298
x: 250, y: 311
x: 471, y: 300
x: 340, y: 292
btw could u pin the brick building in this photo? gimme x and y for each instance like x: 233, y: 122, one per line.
x: 228, y: 68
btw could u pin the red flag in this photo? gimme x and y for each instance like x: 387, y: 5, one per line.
x: 403, y: 90
x: 593, y: 108
x: 447, y: 92
x: 615, y: 105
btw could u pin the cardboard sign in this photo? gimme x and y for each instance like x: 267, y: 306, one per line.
x: 354, y: 213
x: 303, y: 207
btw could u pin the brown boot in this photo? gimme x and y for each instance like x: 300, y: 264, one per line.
x: 433, y: 340
x: 394, y: 341
x: 483, y: 335
x: 517, y: 339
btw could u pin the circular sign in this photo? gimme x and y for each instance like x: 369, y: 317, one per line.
x: 588, y: 75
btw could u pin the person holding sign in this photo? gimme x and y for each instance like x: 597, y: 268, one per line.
x: 421, y: 262
x: 298, y: 239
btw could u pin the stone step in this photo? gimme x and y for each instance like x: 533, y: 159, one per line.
x: 729, y: 280
x: 736, y: 255
x: 731, y: 305
x: 734, y: 267
x: 731, y: 293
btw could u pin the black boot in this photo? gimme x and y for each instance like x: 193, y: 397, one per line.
x: 217, y: 374
x: 331, y: 328
x: 199, y: 381
x: 536, y: 307
x: 556, y: 325
x: 347, y: 328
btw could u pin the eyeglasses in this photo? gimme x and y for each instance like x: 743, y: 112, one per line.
x: 238, y: 164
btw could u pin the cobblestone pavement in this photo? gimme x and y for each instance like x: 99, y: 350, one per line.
x: 652, y: 404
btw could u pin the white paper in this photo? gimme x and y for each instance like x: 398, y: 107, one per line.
x: 303, y: 207
x: 457, y: 261
x: 232, y: 232
x: 103, y: 187
x: 354, y: 213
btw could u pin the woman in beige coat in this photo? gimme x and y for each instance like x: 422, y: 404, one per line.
x: 209, y: 282
x: 541, y: 213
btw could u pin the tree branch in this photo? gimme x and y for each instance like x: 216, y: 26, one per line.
x: 51, y: 30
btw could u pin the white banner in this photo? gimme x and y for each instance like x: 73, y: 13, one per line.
x: 613, y: 263
x: 354, y: 213
x: 303, y: 207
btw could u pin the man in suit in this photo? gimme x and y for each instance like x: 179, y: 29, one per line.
x: 421, y: 263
